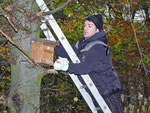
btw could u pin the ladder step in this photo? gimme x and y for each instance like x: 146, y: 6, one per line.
x: 97, y: 109
x: 83, y: 86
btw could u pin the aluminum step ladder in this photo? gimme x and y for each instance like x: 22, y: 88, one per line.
x: 61, y: 37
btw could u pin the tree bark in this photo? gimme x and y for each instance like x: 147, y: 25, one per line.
x: 24, y: 96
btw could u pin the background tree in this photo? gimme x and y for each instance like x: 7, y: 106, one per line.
x: 25, y: 79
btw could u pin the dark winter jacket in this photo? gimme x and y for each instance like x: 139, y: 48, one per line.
x: 96, y: 61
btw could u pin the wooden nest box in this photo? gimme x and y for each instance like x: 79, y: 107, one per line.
x: 42, y: 53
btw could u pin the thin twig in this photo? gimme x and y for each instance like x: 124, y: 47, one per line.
x: 135, y: 36
x: 56, y: 9
x: 10, y: 22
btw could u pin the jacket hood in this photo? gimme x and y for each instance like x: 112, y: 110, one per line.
x: 101, y: 36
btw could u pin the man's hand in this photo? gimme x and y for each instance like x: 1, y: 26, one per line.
x: 61, y: 64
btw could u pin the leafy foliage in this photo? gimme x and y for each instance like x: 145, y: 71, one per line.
x: 128, y: 38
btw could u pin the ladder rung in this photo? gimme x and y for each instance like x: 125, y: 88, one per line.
x: 97, y: 109
x: 83, y: 86
x: 46, y: 29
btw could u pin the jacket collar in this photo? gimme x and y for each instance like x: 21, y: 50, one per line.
x: 101, y: 36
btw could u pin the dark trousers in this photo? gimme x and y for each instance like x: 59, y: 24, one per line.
x: 113, y: 101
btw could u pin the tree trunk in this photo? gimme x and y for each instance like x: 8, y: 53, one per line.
x: 24, y: 94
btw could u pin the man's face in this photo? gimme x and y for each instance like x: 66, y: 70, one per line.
x: 89, y: 29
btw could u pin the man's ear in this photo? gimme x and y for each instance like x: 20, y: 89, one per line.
x: 97, y: 30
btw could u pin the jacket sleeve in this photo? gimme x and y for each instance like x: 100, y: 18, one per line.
x: 92, y: 58
x: 60, y: 51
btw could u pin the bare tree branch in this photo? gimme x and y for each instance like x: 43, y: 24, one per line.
x: 57, y: 9
x: 16, y: 45
x: 135, y: 36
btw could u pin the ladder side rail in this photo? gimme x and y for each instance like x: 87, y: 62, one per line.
x: 62, y: 39
x: 47, y: 32
x: 74, y: 58
x: 96, y: 94
x: 84, y: 93
x: 57, y: 30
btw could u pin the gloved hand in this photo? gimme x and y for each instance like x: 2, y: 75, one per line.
x: 61, y: 64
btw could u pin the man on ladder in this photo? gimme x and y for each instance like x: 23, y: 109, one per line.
x: 95, y: 58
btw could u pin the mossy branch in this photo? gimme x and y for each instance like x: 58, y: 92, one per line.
x: 16, y: 45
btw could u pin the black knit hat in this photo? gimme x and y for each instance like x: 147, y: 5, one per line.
x: 97, y: 20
